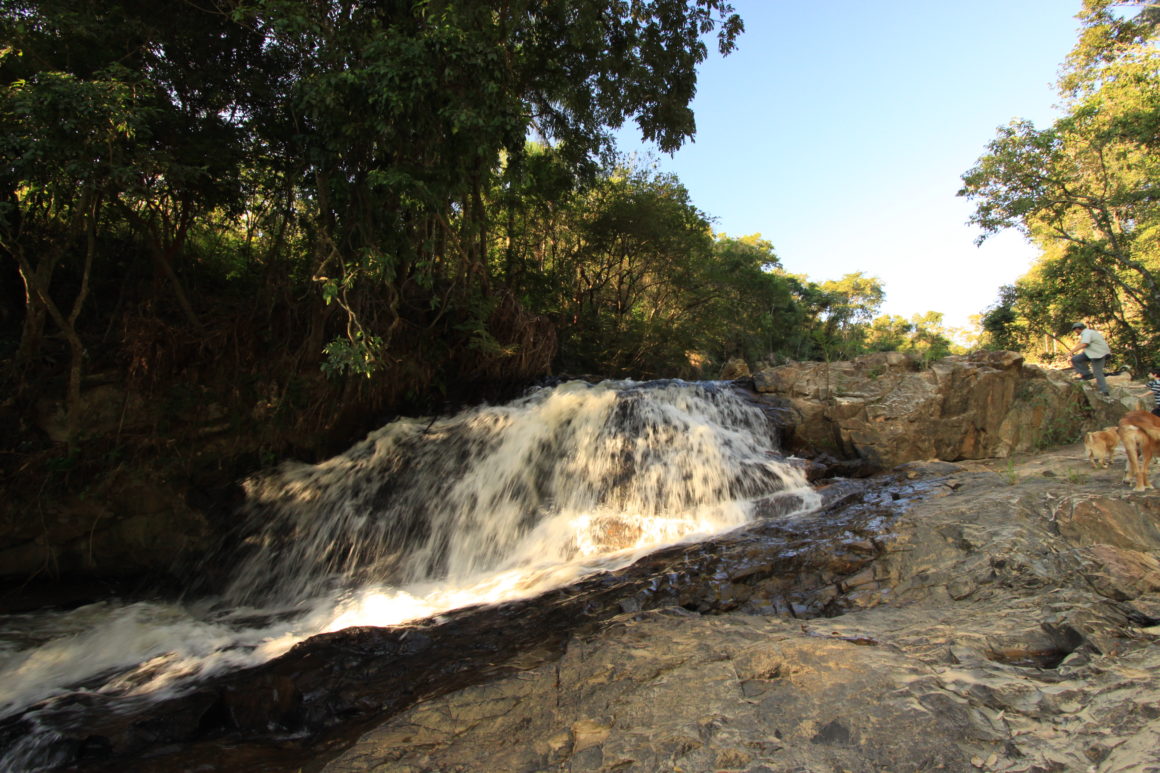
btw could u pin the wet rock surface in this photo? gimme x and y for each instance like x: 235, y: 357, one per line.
x: 995, y: 615
x: 326, y: 684
x: 1006, y: 623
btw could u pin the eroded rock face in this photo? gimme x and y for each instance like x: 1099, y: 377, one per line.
x: 735, y: 369
x: 887, y: 408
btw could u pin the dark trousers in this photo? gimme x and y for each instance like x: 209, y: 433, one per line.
x: 1087, y: 366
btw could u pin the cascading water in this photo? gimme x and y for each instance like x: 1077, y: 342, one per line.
x: 424, y: 516
x: 565, y: 475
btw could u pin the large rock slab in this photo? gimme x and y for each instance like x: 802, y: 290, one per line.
x: 721, y: 694
x: 890, y: 408
x: 992, y: 631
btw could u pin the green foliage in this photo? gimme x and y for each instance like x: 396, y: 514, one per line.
x: 1084, y: 189
x: 417, y: 118
x: 1001, y: 322
x: 923, y: 335
x: 757, y: 312
x: 844, y: 308
x: 195, y: 190
x: 358, y: 355
x: 1010, y: 475
x: 630, y: 269
x: 637, y: 285
x: 336, y: 171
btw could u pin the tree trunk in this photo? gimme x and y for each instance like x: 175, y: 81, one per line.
x: 76, y: 346
x: 163, y: 254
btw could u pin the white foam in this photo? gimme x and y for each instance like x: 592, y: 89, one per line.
x: 515, y: 500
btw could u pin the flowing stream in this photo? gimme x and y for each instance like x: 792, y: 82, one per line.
x: 421, y: 517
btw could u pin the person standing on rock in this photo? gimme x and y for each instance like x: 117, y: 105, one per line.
x: 1089, y: 355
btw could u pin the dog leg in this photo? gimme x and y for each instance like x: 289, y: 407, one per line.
x: 1130, y: 439
x: 1144, y: 477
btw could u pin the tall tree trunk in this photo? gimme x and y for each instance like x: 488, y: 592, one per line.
x: 32, y: 332
x: 76, y: 346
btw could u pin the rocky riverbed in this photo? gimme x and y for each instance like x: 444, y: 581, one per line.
x: 989, y: 615
x: 1007, y: 621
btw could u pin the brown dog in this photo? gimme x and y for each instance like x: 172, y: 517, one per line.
x: 1101, y: 445
x: 1140, y: 434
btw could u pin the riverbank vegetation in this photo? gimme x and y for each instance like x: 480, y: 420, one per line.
x: 297, y: 215
x: 282, y: 221
x: 1086, y: 190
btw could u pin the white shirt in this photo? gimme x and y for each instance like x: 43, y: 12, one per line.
x: 1096, y: 347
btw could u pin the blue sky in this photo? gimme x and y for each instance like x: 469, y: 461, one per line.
x: 839, y: 131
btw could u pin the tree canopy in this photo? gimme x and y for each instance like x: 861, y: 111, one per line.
x: 291, y: 211
x: 354, y: 171
x: 1085, y: 189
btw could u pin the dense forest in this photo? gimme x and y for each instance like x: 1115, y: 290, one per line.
x: 279, y: 220
x: 339, y: 207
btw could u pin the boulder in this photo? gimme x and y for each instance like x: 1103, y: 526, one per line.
x: 104, y: 409
x: 735, y: 369
x: 131, y: 524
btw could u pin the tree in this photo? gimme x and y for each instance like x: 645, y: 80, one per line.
x: 757, y: 310
x: 929, y: 337
x: 1085, y: 188
x: 412, y: 116
x: 115, y: 118
x: 633, y: 276
x: 376, y: 152
x: 1000, y: 323
x: 923, y: 335
x: 888, y: 333
x: 846, y: 306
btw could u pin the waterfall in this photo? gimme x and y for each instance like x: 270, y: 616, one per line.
x: 562, y: 475
x: 424, y: 516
